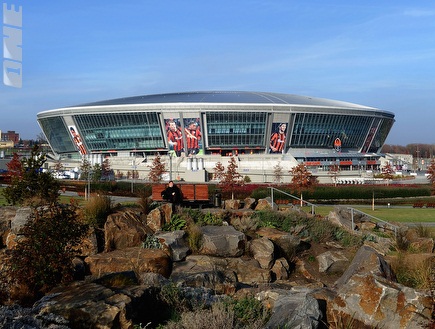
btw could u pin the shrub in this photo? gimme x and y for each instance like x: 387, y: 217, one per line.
x: 43, y: 258
x: 247, y: 310
x: 96, y: 210
x: 152, y: 242
x: 30, y: 185
x: 209, y: 219
x: 176, y: 223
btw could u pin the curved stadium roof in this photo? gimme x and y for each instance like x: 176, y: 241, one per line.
x: 234, y: 97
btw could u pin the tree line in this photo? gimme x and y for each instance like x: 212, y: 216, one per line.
x: 416, y: 149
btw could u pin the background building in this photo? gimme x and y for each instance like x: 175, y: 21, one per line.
x: 194, y: 130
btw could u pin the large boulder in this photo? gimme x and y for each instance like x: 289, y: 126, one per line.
x: 287, y: 243
x: 378, y: 302
x: 248, y: 271
x: 222, y: 241
x: 135, y: 259
x: 159, y: 216
x: 123, y: 230
x: 367, y: 261
x: 367, y: 294
x: 205, y: 271
x: 94, y: 305
x: 294, y: 308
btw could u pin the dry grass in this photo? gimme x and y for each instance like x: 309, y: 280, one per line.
x: 413, y: 270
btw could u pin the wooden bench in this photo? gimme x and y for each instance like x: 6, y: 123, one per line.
x: 192, y: 193
x: 418, y: 205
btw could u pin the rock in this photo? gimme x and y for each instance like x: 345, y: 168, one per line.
x: 232, y: 204
x: 249, y: 271
x: 368, y: 294
x: 222, y: 241
x: 378, y: 302
x: 249, y: 203
x: 152, y: 279
x: 296, y: 309
x: 281, y: 269
x: 205, y: 271
x: 264, y: 204
x: 123, y: 230
x: 18, y: 317
x: 174, y: 243
x: 367, y: 261
x: 332, y: 262
x: 21, y: 218
x: 135, y: 259
x: 155, y: 220
x: 287, y: 243
x: 262, y: 250
x: 92, y: 305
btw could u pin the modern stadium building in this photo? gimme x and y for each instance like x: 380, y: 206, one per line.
x: 195, y: 130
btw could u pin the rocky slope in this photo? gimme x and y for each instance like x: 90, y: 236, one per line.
x: 305, y: 284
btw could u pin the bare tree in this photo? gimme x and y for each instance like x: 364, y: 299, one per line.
x: 278, y: 173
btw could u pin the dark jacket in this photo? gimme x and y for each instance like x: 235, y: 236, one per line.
x: 172, y: 194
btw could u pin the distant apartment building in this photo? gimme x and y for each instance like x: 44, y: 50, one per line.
x: 9, y: 136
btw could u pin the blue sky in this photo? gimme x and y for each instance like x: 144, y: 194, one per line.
x: 374, y: 53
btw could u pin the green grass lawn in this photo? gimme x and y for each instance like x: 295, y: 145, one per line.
x: 393, y: 214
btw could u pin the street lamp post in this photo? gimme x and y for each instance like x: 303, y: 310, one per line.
x: 134, y: 166
x: 88, y: 196
x: 170, y: 166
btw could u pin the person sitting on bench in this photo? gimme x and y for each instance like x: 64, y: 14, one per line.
x: 172, y: 194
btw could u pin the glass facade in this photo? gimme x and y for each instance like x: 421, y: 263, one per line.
x: 225, y: 121
x: 381, y: 135
x: 121, y: 131
x: 57, y: 134
x: 319, y: 130
x: 236, y: 129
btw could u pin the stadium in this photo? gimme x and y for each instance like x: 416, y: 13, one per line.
x: 192, y: 131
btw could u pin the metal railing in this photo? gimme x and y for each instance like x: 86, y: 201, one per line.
x: 303, y: 202
x: 353, y: 210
